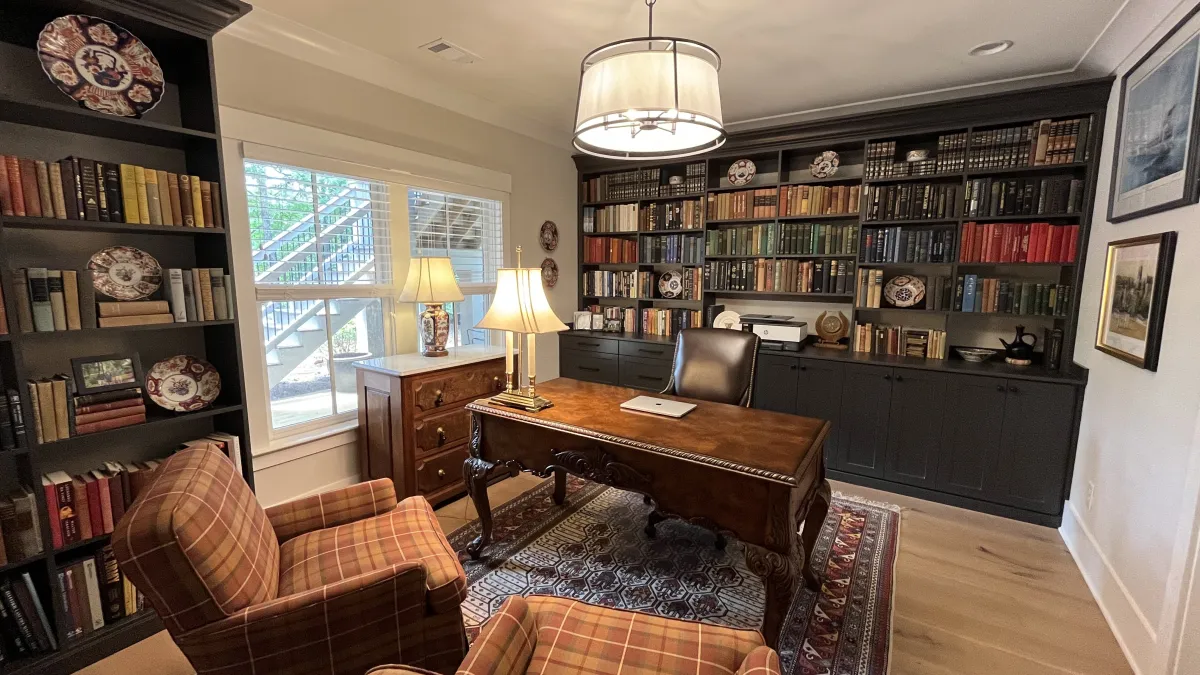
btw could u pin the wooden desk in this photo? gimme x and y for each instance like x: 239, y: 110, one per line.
x: 754, y: 474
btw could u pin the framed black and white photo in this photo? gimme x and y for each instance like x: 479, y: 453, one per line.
x: 94, y: 374
x: 1137, y: 275
x: 1154, y: 165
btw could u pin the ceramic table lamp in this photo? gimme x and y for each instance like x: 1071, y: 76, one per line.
x: 431, y: 282
x: 519, y: 307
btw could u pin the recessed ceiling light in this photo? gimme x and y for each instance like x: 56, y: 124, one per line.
x: 989, y: 48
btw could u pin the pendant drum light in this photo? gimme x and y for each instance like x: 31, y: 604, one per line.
x: 649, y: 98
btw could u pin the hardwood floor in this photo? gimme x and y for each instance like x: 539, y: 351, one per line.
x: 975, y: 595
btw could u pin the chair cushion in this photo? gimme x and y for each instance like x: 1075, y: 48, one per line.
x: 573, y: 636
x: 410, y: 532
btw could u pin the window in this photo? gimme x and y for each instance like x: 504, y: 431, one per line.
x: 469, y: 230
x: 323, y: 282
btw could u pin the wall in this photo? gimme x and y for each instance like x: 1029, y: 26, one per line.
x: 1138, y: 448
x: 543, y: 188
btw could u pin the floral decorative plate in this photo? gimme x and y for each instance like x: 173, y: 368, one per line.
x: 101, y: 65
x: 125, y: 273
x: 670, y: 284
x: 825, y: 164
x: 741, y: 172
x: 549, y: 236
x: 183, y: 383
x: 904, y: 291
x: 549, y: 273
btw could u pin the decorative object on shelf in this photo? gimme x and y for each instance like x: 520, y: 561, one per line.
x: 100, y: 65
x: 431, y: 282
x: 904, y: 291
x: 519, y: 307
x: 125, y: 273
x: 831, y: 330
x: 614, y: 326
x: 1052, y: 344
x: 1154, y: 164
x: 670, y: 284
x: 649, y: 98
x: 675, y: 180
x: 183, y: 383
x: 728, y: 319
x: 549, y: 236
x: 741, y: 172
x: 549, y: 272
x: 582, y: 321
x: 1137, y: 275
x: 597, y: 321
x: 825, y: 165
x: 919, y: 155
x: 108, y: 372
x: 975, y: 354
x: 1019, y: 352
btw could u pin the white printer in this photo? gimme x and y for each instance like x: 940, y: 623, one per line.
x: 776, y: 331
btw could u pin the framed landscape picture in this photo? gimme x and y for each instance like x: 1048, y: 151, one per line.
x: 1154, y: 166
x: 1137, y: 275
x: 94, y: 374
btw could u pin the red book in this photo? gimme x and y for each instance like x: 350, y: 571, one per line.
x: 29, y: 188
x: 51, y: 492
x: 106, y: 514
x: 5, y: 189
x: 83, y: 509
x: 13, y: 165
x: 1035, y: 231
x: 116, y: 495
x: 977, y: 243
x: 985, y: 248
x: 1072, y: 243
x: 997, y: 242
x: 111, y: 405
x: 89, y: 418
x: 1023, y: 253
x: 964, y: 242
x: 114, y: 423
x: 1006, y: 242
x: 95, y: 509
x: 1056, y: 233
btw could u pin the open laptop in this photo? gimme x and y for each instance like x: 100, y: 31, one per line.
x: 658, y: 406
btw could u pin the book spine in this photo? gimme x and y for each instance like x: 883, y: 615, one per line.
x: 206, y: 203
x: 173, y: 199
x: 133, y: 308
x: 175, y: 290
x: 185, y: 200
x: 48, y: 419
x: 111, y: 597
x: 206, y: 295
x: 58, y: 305
x: 189, y: 295
x: 6, y: 206
x: 15, y: 185
x: 153, y: 200
x: 90, y: 418
x: 70, y: 282
x: 40, y: 612
x: 114, y: 423
x: 18, y: 417
x: 216, y: 276
x: 87, y: 178
x: 70, y: 194
x: 24, y: 308
x: 93, y: 589
x: 36, y: 406
x: 129, y: 194
x: 101, y: 192
x: 197, y: 202
x: 83, y: 509
x: 112, y: 188
x: 57, y: 195
x: 143, y: 200
x: 29, y: 187
x: 69, y: 603
x: 218, y: 213
x: 39, y: 300
x: 109, y: 396
x: 20, y: 624
x: 232, y: 310
x: 136, y: 320
x: 81, y: 410
x: 58, y: 389
x: 44, y: 194
x: 164, y: 198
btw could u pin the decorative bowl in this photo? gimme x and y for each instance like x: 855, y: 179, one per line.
x: 825, y: 164
x: 183, y: 383
x: 974, y: 354
x: 904, y: 291
x: 741, y: 172
x: 125, y: 273
x: 101, y: 65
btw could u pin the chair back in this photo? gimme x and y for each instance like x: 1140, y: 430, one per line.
x: 196, y: 542
x: 714, y: 364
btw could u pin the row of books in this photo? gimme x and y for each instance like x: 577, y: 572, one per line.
x: 93, y: 593
x: 1003, y: 296
x: 640, y: 183
x: 610, y: 250
x: 742, y: 240
x: 669, y: 322
x: 687, y: 214
x: 912, y: 201
x: 760, y: 203
x: 778, y: 276
x: 924, y: 343
x: 12, y: 421
x: 610, y: 284
x: 25, y: 626
x: 84, y: 189
x: 627, y: 315
x: 1023, y: 197
x: 868, y: 291
x: 612, y: 218
x: 20, y: 526
x: 1018, y: 243
x: 59, y: 414
x: 90, y: 504
x: 817, y: 238
x: 683, y: 249
x: 949, y: 157
x: 901, y: 245
x: 819, y: 200
x: 1037, y: 144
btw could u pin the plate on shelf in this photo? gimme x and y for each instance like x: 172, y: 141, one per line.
x: 101, y: 65
x: 975, y: 355
x: 728, y: 319
x: 670, y: 284
x: 741, y: 172
x: 904, y: 291
x: 125, y: 273
x: 183, y: 383
x: 549, y: 273
x: 549, y: 236
x: 825, y: 164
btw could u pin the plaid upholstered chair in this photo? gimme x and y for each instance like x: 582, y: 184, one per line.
x: 541, y: 635
x: 339, y: 582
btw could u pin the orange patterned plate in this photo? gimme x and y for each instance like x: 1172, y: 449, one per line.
x: 101, y: 65
x: 183, y: 383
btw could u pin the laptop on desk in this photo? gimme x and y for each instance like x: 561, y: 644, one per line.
x: 658, y: 406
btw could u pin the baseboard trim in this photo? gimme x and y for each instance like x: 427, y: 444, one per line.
x: 1133, y: 631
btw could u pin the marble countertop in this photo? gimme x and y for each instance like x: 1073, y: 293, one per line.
x: 403, y: 365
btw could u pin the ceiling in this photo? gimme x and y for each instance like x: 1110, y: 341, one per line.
x: 780, y: 58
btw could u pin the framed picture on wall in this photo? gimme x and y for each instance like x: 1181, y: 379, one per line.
x: 1137, y: 275
x: 1154, y: 165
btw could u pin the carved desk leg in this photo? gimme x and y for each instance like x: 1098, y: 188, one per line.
x: 813, y: 520
x: 778, y: 573
x: 475, y: 473
x: 560, y: 486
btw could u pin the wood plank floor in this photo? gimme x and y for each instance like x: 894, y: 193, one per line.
x: 975, y: 595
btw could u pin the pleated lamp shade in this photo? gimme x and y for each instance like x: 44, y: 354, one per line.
x: 520, y: 304
x: 430, y: 280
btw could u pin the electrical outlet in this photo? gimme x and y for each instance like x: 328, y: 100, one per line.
x: 1091, y: 493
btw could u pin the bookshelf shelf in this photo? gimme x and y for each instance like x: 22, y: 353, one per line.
x: 12, y: 566
x: 73, y: 118
x: 910, y: 310
x: 840, y: 297
x: 632, y: 233
x: 824, y: 216
x: 910, y: 179
x: 1041, y: 168
x: 88, y: 332
x: 1015, y: 264
x: 155, y: 420
x: 71, y: 548
x: 54, y: 224
x: 656, y: 232
x: 1002, y: 315
x: 913, y: 223
x: 904, y: 264
x: 738, y: 221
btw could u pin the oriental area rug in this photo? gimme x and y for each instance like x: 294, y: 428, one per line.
x: 594, y: 550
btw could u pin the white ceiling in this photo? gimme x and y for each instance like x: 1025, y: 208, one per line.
x: 781, y: 57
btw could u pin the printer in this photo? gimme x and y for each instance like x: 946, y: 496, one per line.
x: 776, y: 331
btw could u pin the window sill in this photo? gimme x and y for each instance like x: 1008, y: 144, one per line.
x: 298, y: 446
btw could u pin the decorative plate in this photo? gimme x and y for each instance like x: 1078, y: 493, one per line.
x: 728, y: 319
x: 741, y: 172
x: 549, y: 273
x: 825, y: 164
x: 670, y: 284
x: 904, y: 291
x: 183, y: 383
x: 101, y: 65
x: 549, y: 236
x: 125, y: 273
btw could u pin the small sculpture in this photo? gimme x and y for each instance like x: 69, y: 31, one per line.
x: 1019, y: 352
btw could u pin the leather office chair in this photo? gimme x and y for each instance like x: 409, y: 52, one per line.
x: 714, y: 364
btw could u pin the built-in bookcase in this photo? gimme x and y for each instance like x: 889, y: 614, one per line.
x: 180, y: 135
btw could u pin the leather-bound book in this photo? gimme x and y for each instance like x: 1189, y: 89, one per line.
x: 206, y: 202
x: 129, y: 194
x: 185, y: 200
x: 114, y: 423
x: 112, y: 188
x: 143, y: 201
x: 164, y: 198
x: 43, y: 182
x: 57, y: 194
x: 16, y: 193
x: 5, y: 189
x: 89, y: 188
x: 133, y: 308
x: 173, y: 193
x: 29, y: 188
x: 136, y: 320
x: 197, y: 202
x: 101, y: 191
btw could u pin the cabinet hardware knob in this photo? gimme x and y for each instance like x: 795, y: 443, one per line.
x: 1013, y: 389
x: 441, y: 473
x: 441, y: 436
x: 792, y: 366
x: 899, y: 378
x: 999, y: 387
x: 887, y: 377
x: 438, y: 399
x: 803, y: 367
x: 496, y: 381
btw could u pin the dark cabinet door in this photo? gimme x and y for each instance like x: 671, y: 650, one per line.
x: 775, y: 383
x: 915, y: 427
x: 819, y: 394
x: 866, y: 403
x: 1034, y: 445
x: 971, y: 424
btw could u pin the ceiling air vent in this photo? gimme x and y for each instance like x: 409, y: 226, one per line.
x: 450, y: 52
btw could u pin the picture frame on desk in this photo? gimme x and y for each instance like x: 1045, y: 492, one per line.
x: 1137, y: 276
x: 108, y: 372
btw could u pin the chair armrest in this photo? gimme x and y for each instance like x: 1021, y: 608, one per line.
x: 505, y: 644
x: 329, y: 509
x: 399, y: 670
x: 760, y: 661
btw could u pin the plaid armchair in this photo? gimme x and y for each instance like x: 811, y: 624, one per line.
x: 338, y: 582
x: 541, y: 634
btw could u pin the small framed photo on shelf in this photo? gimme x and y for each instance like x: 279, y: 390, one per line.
x: 1137, y: 275
x: 94, y: 374
x: 582, y: 321
x: 1155, y: 162
x: 597, y: 322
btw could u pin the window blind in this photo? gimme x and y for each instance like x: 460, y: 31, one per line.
x: 469, y: 230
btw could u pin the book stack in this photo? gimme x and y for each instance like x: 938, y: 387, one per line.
x: 920, y: 201
x: 819, y: 200
x: 1037, y: 144
x: 761, y: 203
x: 76, y: 188
x: 609, y: 250
x: 924, y: 343
x: 681, y: 249
x: 881, y: 160
x: 742, y: 240
x: 615, y: 218
x: 1018, y: 243
x: 59, y: 414
x: 679, y: 215
x: 606, y: 284
x: 133, y: 313
x: 93, y: 593
x: 902, y: 245
x: 24, y: 622
x: 633, y: 184
x: 817, y: 238
x: 1023, y: 197
x: 200, y: 294
x: 12, y: 421
x: 89, y: 505
x: 669, y: 322
x: 1001, y: 296
x: 778, y: 276
x: 950, y: 156
x: 20, y: 526
x: 627, y: 315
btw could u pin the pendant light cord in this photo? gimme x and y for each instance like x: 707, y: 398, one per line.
x: 650, y: 4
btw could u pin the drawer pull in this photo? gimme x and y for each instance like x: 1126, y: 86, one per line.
x: 649, y: 377
x: 1014, y: 390
x: 999, y: 387
x: 651, y: 351
x: 899, y: 378
x: 438, y: 398
x: 589, y: 344
x: 441, y: 473
x: 589, y: 368
x: 792, y: 366
x: 887, y: 377
x: 441, y: 436
x: 803, y: 367
x: 496, y: 381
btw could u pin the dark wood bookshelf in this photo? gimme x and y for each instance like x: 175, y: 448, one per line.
x: 914, y: 222
x: 180, y: 136
x: 1035, y: 169
x: 933, y: 178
